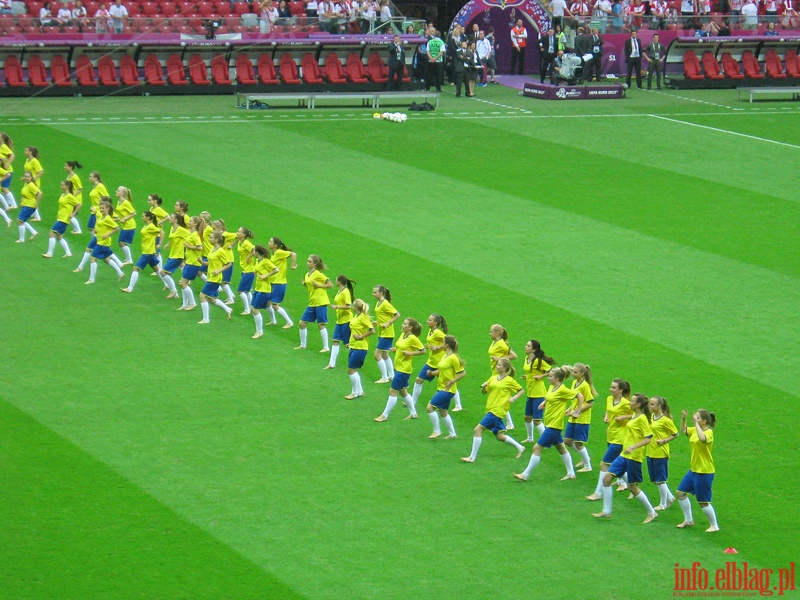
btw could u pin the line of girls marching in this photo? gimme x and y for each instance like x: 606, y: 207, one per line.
x: 638, y: 427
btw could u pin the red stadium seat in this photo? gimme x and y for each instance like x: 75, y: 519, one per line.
x: 153, y: 73
x: 84, y: 71
x: 185, y: 29
x: 205, y: 8
x: 244, y: 70
x: 128, y: 71
x: 51, y: 30
x: 241, y: 8
x: 107, y: 72
x: 751, y: 67
x: 266, y: 70
x: 406, y: 76
x: 195, y: 22
x: 133, y: 8
x: 792, y: 64
x: 711, y: 66
x: 691, y: 66
x: 169, y: 9
x: 149, y: 9
x: 59, y: 70
x: 239, y: 29
x: 333, y: 69
x: 223, y: 9
x: 375, y: 67
x: 37, y: 74
x: 297, y: 9
x: 34, y: 8
x: 176, y: 75
x: 220, y: 73
x: 288, y: 70
x: 731, y: 67
x: 187, y: 8
x: 198, y: 72
x: 13, y: 69
x: 773, y: 65
x: 310, y: 69
x: 355, y: 69
x: 13, y: 30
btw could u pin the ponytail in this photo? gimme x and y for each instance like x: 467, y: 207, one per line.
x: 348, y: 283
x: 440, y: 322
x: 662, y: 404
x: 539, y: 355
x: 641, y: 402
x: 709, y: 417
x: 451, y: 342
x: 384, y: 291
x: 416, y: 328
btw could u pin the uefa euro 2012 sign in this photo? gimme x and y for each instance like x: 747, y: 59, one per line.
x: 394, y: 117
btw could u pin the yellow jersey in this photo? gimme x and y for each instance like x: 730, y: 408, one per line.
x: 216, y: 260
x: 192, y: 257
x: 535, y: 388
x: 701, y: 460
x: 246, y: 259
x: 637, y: 430
x: 263, y: 267
x: 384, y: 311
x: 497, y: 348
x: 434, y: 339
x: 159, y: 213
x: 316, y: 296
x: 499, y: 393
x: 5, y: 152
x: 76, y: 186
x: 66, y: 204
x: 34, y: 166
x: 122, y: 210
x: 585, y: 389
x: 97, y: 192
x: 104, y: 226
x: 449, y: 367
x: 177, y: 236
x: 360, y: 325
x: 149, y: 234
x: 556, y: 405
x: 207, y: 245
x: 342, y: 298
x: 279, y: 258
x: 406, y: 343
x: 28, y: 195
x: 229, y: 237
x: 662, y: 427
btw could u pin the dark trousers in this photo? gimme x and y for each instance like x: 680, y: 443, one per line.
x: 435, y: 76
x: 596, y: 67
x: 654, y: 69
x: 459, y: 78
x: 395, y: 72
x: 634, y: 64
x: 547, y: 65
x: 517, y: 55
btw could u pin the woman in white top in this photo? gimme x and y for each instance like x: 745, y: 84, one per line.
x: 269, y: 14
x: 79, y: 14
x: 64, y: 16
x: 45, y: 16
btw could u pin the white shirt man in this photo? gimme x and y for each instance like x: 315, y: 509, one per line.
x: 750, y: 12
x: 118, y: 12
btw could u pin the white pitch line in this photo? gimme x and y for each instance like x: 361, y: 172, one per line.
x: 744, y: 135
x: 691, y: 99
x: 502, y: 105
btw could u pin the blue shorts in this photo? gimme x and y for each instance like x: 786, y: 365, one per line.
x: 260, y: 300
x: 211, y: 289
x: 227, y: 274
x: 342, y: 333
x: 147, y: 259
x: 59, y: 227
x: 25, y: 213
x: 550, y: 437
x: 278, y: 293
x: 424, y: 373
x: 189, y: 272
x: 493, y: 423
x: 658, y: 469
x: 101, y: 252
x: 385, y: 343
x: 246, y: 282
x: 441, y: 399
x: 171, y: 265
x: 622, y: 465
x: 6, y: 183
x: 400, y: 380
x: 126, y: 236
x: 315, y: 314
x: 92, y: 221
x: 612, y: 452
x: 577, y: 431
x: 204, y: 265
x: 532, y: 408
x: 92, y: 243
x: 698, y: 484
x: 355, y: 360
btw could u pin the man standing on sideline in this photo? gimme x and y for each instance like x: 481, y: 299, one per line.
x: 435, y: 62
x: 519, y: 39
x: 484, y: 49
x: 548, y: 50
x: 397, y: 62
x: 597, y: 55
x: 655, y: 59
x: 633, y: 57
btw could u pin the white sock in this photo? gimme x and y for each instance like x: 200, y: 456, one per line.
x: 245, y: 301
x: 303, y: 337
x: 686, y: 507
x: 84, y: 259
x: 529, y: 429
x: 409, y: 402
x: 284, y: 314
x: 65, y: 246
x: 608, y: 499
x: 126, y: 252
x: 170, y: 284
x: 389, y: 368
x: 259, y: 322
x: 324, y: 335
x: 457, y: 399
x: 134, y: 279
x: 623, y: 481
x: 228, y: 292
x: 354, y: 383
x: 117, y: 270
x: 540, y: 428
x: 36, y: 215
x: 599, y: 488
x: 662, y: 499
x: 75, y: 225
x: 30, y: 228
x: 206, y: 311
x: 271, y: 313
x: 203, y: 277
x: 3, y: 203
x: 587, y: 462
x: 360, y: 389
x: 5, y: 216
x: 416, y: 392
x: 92, y: 271
x: 51, y: 245
x: 21, y: 232
x: 334, y: 354
x: 708, y: 511
x: 642, y: 497
x: 10, y: 199
x: 512, y: 442
x: 434, y: 416
x: 567, y: 458
x: 190, y: 296
x: 532, y: 464
x: 218, y: 302
x: 382, y: 368
x: 476, y: 445
x: 115, y: 259
x: 509, y: 421
x: 666, y: 495
x: 184, y: 298
x: 448, y: 422
x: 390, y: 404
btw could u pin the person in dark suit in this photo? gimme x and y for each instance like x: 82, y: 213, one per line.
x: 397, y: 62
x: 633, y: 57
x: 596, y: 50
x: 583, y: 47
x: 655, y: 59
x: 461, y: 67
x: 548, y: 50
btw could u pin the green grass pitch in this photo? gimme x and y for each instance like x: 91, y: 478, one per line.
x: 655, y: 238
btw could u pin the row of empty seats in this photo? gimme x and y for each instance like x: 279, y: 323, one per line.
x: 728, y: 67
x: 168, y: 8
x: 106, y: 74
x: 191, y: 26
